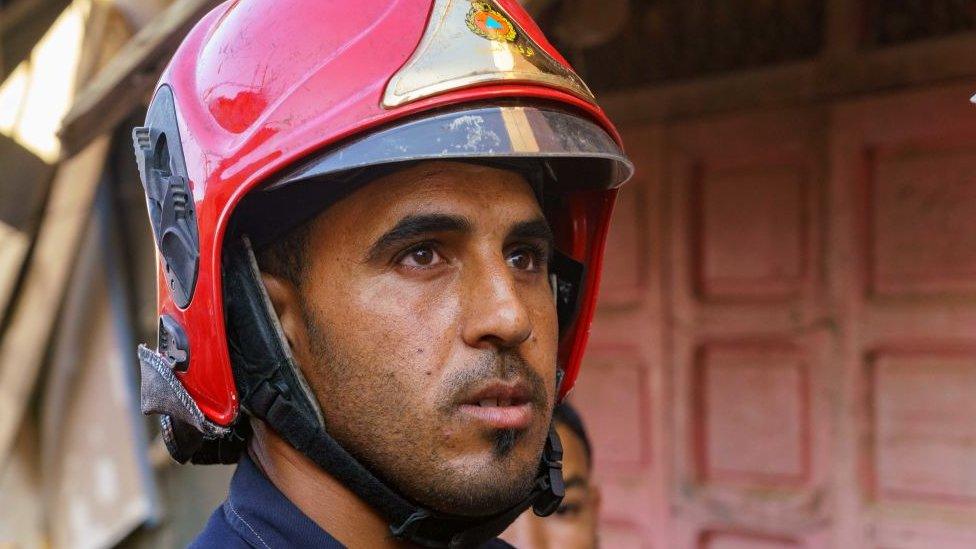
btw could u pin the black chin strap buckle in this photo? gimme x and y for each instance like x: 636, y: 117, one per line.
x: 552, y: 488
x: 408, y: 528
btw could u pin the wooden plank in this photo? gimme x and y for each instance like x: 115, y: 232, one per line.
x: 130, y: 77
x: 89, y: 409
x: 22, y: 193
x: 934, y: 61
x: 21, y: 494
x: 32, y: 315
x: 106, y: 32
x: 838, y: 75
x: 13, y: 249
x: 25, y: 340
x: 22, y: 23
x: 784, y: 85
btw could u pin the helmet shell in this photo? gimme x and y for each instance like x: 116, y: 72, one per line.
x: 261, y: 85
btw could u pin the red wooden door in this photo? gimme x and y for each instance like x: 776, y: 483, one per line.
x: 785, y: 354
x: 904, y: 256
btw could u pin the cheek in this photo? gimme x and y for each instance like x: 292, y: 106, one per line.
x: 545, y: 326
x: 389, y: 344
x: 409, y: 328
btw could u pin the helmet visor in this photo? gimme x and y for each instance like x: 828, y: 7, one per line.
x: 579, y: 153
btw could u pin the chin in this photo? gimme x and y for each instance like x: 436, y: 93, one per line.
x: 489, y: 496
x: 477, y: 484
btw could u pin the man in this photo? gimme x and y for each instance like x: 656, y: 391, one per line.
x: 574, y: 524
x: 379, y: 228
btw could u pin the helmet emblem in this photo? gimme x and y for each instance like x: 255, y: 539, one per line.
x: 489, y: 23
x: 473, y: 42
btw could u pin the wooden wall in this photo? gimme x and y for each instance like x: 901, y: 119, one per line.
x: 785, y: 352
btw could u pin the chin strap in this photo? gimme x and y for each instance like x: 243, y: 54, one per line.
x: 271, y: 388
x: 408, y: 521
x: 546, y: 495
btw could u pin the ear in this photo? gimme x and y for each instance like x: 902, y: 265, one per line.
x: 286, y: 300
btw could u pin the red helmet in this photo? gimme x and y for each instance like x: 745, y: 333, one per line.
x: 265, y: 101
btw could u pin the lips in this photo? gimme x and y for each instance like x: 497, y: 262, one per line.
x: 499, y: 405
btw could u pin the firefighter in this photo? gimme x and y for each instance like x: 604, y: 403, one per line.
x: 379, y: 229
x: 574, y: 523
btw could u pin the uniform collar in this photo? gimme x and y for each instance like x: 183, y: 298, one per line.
x: 263, y: 516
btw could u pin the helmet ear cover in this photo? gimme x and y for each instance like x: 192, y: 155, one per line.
x: 162, y: 169
x: 272, y: 389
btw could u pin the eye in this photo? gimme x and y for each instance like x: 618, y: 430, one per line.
x: 526, y: 258
x: 421, y: 256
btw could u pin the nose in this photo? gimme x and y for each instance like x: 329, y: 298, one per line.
x: 496, y: 315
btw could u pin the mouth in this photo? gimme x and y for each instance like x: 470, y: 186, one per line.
x: 500, y: 405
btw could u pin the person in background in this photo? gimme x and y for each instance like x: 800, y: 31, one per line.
x: 574, y: 524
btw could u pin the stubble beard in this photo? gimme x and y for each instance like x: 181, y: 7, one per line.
x: 386, y: 432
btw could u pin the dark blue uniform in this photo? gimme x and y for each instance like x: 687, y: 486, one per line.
x: 256, y: 514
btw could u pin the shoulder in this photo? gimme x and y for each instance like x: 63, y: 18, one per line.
x: 219, y: 533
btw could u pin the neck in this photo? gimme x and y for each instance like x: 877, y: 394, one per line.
x: 321, y: 497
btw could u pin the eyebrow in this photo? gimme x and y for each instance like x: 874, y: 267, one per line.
x: 412, y: 226
x: 533, y: 229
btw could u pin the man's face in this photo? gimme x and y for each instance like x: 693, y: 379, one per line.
x: 430, y: 332
x: 574, y: 524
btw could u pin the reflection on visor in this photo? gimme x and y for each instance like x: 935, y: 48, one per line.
x: 574, y: 147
